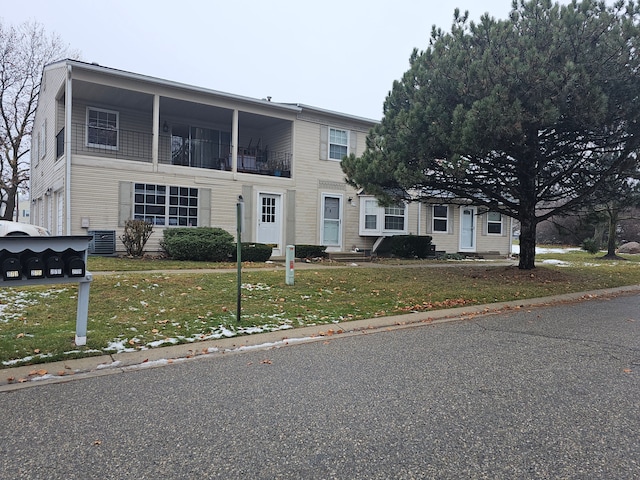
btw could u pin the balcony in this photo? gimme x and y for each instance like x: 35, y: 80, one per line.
x: 175, y: 150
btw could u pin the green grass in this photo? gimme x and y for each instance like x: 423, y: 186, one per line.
x: 142, y: 310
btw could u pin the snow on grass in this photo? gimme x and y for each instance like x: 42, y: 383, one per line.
x: 12, y: 302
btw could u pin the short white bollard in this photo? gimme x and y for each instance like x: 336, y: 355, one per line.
x: 290, y: 259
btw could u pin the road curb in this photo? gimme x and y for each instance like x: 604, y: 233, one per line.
x: 74, y: 369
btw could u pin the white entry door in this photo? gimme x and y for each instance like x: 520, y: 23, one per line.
x: 467, y: 229
x: 270, y: 220
x: 332, y: 222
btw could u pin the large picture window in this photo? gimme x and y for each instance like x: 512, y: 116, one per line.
x: 162, y: 205
x: 338, y: 143
x: 102, y: 128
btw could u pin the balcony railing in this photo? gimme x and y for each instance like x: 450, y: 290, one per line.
x: 199, y: 153
x: 195, y: 153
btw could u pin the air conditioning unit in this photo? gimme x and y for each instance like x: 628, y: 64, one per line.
x: 103, y: 242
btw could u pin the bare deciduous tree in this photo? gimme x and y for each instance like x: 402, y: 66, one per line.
x: 24, y: 51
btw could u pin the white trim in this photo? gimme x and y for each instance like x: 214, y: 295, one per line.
x: 445, y: 218
x: 380, y: 229
x: 279, y: 216
x: 323, y: 241
x: 501, y: 233
x: 339, y: 144
x: 463, y: 247
x: 117, y: 129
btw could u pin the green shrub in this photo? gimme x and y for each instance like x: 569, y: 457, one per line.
x: 135, y: 236
x: 408, y: 246
x: 210, y: 244
x: 252, y: 252
x: 590, y: 245
x: 310, y: 251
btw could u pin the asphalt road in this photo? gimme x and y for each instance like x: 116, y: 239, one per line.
x: 550, y: 392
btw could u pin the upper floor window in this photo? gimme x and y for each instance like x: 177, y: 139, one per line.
x: 338, y: 143
x: 494, y: 223
x: 440, y: 218
x: 102, y: 128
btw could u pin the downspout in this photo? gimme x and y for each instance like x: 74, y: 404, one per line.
x: 67, y: 150
x: 419, y: 216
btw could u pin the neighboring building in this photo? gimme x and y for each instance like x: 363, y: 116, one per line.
x: 110, y: 145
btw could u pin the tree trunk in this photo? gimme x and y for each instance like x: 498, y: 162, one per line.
x: 613, y: 224
x: 527, y: 244
x: 10, y: 204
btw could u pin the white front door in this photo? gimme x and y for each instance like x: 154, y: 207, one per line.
x: 467, y: 229
x: 331, y: 230
x: 270, y: 220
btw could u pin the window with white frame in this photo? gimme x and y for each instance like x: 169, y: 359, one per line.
x: 102, y: 128
x: 494, y: 223
x: 371, y: 214
x: 376, y: 220
x: 440, y: 218
x: 162, y: 205
x: 338, y: 143
x: 394, y: 218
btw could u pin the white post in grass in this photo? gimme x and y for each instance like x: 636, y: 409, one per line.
x: 290, y: 259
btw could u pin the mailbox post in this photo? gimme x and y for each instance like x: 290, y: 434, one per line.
x: 28, y: 261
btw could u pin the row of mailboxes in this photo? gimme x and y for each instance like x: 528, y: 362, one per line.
x: 38, y: 260
x: 48, y: 264
x: 49, y: 260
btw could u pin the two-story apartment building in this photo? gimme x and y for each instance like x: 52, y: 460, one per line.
x: 110, y: 145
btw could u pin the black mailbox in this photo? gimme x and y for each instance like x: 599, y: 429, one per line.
x: 11, y: 268
x: 74, y: 265
x: 32, y: 265
x: 54, y: 265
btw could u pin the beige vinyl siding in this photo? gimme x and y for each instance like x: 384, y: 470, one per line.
x: 96, y: 195
x: 314, y: 177
x: 45, y: 173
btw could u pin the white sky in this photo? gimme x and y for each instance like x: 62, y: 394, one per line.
x: 337, y: 55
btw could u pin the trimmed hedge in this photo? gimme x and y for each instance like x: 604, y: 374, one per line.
x: 252, y: 252
x: 407, y: 246
x: 209, y: 244
x: 310, y: 251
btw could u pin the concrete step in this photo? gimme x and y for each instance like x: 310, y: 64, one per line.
x: 349, y: 257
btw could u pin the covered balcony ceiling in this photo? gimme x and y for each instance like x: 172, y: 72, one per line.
x: 104, y: 96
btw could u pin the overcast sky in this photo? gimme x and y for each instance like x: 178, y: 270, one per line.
x: 339, y: 55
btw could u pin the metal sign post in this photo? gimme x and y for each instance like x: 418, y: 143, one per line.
x: 239, y: 221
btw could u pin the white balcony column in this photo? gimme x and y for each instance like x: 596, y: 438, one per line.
x: 234, y: 144
x: 155, y: 142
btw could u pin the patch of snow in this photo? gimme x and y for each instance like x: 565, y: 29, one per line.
x: 102, y: 366
x: 552, y: 261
